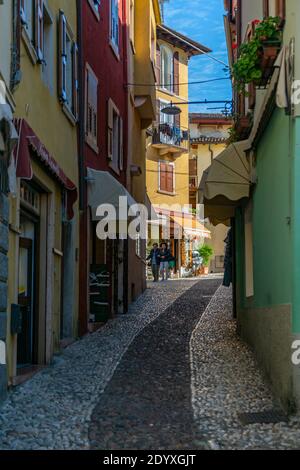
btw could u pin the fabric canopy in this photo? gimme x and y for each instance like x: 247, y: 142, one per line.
x: 103, y: 188
x: 229, y: 174
x: 191, y: 226
x: 29, y: 142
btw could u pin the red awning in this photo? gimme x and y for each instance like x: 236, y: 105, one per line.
x: 28, y: 140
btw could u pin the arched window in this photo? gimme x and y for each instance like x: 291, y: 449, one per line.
x: 166, y: 78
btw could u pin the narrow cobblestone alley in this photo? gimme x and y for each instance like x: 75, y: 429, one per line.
x: 170, y: 375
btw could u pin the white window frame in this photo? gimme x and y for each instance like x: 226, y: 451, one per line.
x: 90, y: 138
x: 95, y: 5
x: 167, y: 86
x: 114, y: 27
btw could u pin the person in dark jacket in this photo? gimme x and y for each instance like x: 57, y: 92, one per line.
x: 155, y: 261
x: 164, y: 256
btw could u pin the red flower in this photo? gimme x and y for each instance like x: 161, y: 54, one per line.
x: 234, y: 45
x: 256, y: 21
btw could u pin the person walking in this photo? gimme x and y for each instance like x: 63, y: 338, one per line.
x: 154, y: 259
x: 164, y: 256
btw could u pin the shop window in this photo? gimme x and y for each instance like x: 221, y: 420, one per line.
x: 91, y: 100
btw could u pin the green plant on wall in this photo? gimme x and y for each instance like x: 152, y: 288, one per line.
x: 206, y: 252
x: 247, y: 68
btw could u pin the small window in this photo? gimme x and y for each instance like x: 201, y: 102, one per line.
x: 27, y: 9
x: 166, y: 80
x: 114, y: 24
x: 166, y: 177
x: 132, y: 22
x: 115, y: 137
x: 95, y: 4
x: 68, y: 67
x: 91, y: 100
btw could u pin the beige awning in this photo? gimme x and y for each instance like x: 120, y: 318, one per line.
x: 226, y: 182
x: 103, y: 188
x: 229, y: 174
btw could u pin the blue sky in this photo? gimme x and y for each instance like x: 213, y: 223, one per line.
x: 202, y: 20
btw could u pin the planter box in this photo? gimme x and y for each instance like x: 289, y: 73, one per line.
x: 267, y: 59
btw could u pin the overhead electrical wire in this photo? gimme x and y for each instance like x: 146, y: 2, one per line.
x: 184, y: 83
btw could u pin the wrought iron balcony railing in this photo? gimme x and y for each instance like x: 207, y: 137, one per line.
x: 170, y: 135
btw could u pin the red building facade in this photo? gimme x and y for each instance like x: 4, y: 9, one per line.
x: 103, y: 155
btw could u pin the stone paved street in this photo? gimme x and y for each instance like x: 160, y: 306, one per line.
x: 170, y: 375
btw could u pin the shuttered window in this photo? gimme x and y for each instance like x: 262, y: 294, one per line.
x: 158, y: 64
x: 115, y: 137
x: 91, y: 113
x: 166, y: 177
x: 39, y: 28
x: 176, y: 73
x: 68, y: 81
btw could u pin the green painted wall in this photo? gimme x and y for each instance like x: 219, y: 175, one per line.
x: 271, y: 227
x: 295, y: 204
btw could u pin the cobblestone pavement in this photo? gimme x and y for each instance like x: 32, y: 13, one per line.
x: 226, y: 381
x: 147, y: 404
x: 53, y: 409
x: 165, y: 376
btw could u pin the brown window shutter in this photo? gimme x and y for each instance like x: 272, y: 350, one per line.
x: 158, y: 64
x: 280, y: 9
x: 163, y: 176
x: 266, y: 10
x: 75, y: 82
x: 176, y: 73
x: 39, y: 28
x: 62, y: 58
x: 170, y: 179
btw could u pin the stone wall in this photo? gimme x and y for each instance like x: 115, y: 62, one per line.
x: 4, y: 208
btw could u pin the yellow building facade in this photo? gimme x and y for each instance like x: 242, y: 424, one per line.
x: 143, y: 19
x: 209, y: 134
x: 167, y: 161
x: 43, y: 240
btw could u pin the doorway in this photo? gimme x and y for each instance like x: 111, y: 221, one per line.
x: 27, y: 292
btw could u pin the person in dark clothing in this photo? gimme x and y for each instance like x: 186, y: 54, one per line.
x: 154, y: 259
x: 228, y: 260
x: 164, y: 257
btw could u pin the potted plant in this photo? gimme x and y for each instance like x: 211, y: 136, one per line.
x: 206, y: 252
x: 257, y: 57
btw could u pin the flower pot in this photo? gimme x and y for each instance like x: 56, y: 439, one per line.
x: 267, y: 58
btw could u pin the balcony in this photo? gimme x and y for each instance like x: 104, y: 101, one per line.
x: 168, y: 138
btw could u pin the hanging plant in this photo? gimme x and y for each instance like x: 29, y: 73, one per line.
x: 249, y: 66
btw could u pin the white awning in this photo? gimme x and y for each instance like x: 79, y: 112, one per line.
x: 229, y: 174
x: 103, y: 188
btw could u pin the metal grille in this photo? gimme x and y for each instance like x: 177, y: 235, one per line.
x: 264, y: 417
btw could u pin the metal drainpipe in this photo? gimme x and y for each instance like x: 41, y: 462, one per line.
x: 81, y: 108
